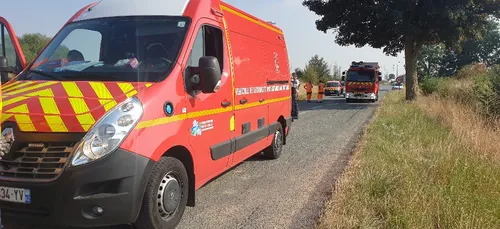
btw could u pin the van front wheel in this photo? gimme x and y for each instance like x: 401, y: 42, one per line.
x: 274, y: 150
x: 166, y: 195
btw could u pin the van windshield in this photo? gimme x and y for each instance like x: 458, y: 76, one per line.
x: 361, y: 76
x: 332, y: 84
x: 141, y: 49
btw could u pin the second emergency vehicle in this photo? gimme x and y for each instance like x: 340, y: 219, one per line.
x: 333, y: 87
x: 133, y: 106
x: 362, y: 81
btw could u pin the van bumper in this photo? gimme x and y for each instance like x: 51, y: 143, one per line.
x: 115, y: 183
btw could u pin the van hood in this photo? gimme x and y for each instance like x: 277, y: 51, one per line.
x: 62, y: 106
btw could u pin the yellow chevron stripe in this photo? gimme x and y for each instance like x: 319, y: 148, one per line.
x: 14, y: 100
x: 25, y: 89
x: 5, y: 87
x: 108, y: 104
x: 19, y: 109
x: 24, y: 122
x: 46, y: 93
x: 56, y: 123
x: 126, y: 87
x: 49, y: 106
x: 101, y: 90
x: 15, y: 86
x: 6, y: 116
x: 72, y: 89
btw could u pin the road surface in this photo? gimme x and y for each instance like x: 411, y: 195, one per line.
x: 288, y: 192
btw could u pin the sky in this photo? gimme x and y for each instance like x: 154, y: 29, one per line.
x: 296, y: 21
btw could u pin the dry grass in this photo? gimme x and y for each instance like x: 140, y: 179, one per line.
x: 302, y: 93
x: 410, y: 171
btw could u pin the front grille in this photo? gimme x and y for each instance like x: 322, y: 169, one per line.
x: 36, y: 161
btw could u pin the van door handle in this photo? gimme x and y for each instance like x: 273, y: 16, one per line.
x: 243, y: 101
x: 225, y: 103
x: 261, y: 100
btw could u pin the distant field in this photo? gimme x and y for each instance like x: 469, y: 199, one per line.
x: 418, y: 167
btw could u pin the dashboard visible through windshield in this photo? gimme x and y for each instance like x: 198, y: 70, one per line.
x: 361, y: 76
x: 134, y: 49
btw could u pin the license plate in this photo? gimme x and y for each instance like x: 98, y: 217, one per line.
x: 17, y: 195
x: 358, y: 94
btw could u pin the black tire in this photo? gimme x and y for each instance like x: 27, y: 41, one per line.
x: 150, y: 217
x: 376, y: 99
x: 274, y: 150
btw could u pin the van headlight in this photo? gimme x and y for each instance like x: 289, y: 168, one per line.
x: 109, y: 132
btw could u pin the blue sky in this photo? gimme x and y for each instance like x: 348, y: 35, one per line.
x: 303, y: 40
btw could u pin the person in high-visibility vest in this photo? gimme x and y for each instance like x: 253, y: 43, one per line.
x: 321, y: 91
x: 309, y: 90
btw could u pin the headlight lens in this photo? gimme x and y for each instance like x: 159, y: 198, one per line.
x: 109, y: 132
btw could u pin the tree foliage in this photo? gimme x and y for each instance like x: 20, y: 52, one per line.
x: 33, y: 43
x: 315, y: 70
x: 397, y: 25
x: 435, y: 60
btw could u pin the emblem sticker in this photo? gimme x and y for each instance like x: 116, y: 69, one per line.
x: 195, y: 130
x: 200, y: 127
x: 168, y: 108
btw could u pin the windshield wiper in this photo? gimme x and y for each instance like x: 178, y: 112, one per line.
x: 44, y: 74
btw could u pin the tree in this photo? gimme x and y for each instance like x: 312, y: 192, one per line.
x: 399, y: 25
x: 33, y: 43
x: 336, y: 72
x: 321, y: 68
x: 429, y: 60
x: 311, y: 74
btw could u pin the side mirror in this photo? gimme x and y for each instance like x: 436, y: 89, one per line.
x: 209, y: 74
x: 4, y: 69
x: 380, y: 78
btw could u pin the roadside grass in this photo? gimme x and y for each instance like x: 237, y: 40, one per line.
x: 413, y: 170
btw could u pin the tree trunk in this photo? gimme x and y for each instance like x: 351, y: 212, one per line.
x: 411, y: 52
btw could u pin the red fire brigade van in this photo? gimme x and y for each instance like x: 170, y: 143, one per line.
x: 133, y: 106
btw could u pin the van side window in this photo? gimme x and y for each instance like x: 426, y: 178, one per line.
x: 208, y: 43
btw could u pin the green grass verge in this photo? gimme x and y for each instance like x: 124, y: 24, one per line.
x: 410, y: 172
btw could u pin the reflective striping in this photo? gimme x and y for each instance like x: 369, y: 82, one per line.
x: 23, y: 109
x: 101, y: 90
x: 25, y: 89
x: 86, y: 120
x: 6, y: 116
x: 79, y: 105
x: 45, y: 92
x: 49, y: 106
x: 263, y: 24
x: 132, y: 93
x: 126, y: 87
x: 196, y: 114
x: 15, y: 86
x: 56, y: 123
x: 10, y: 85
x: 14, y: 100
x: 72, y: 89
x: 230, y: 53
x: 24, y: 122
x: 108, y: 104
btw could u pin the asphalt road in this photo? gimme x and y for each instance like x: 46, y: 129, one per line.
x: 288, y: 192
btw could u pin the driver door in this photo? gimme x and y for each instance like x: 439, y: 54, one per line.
x: 12, y: 59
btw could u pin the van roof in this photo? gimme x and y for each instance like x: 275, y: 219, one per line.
x: 116, y: 8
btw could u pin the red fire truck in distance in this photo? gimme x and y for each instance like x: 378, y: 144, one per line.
x: 133, y: 106
x: 362, y: 81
